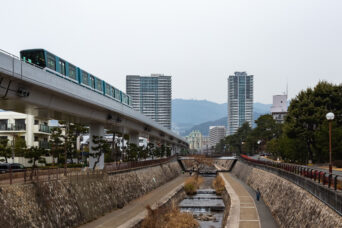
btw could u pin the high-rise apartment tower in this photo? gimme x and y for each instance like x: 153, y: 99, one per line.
x: 240, y: 101
x: 151, y: 95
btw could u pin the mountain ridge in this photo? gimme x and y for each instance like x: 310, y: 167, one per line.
x: 188, y: 113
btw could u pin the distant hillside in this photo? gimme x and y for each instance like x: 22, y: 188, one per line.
x: 186, y: 114
x: 204, y: 127
x: 196, y: 111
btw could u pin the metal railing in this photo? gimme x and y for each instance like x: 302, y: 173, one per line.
x: 47, y: 174
x: 44, y: 144
x: 12, y: 127
x: 324, y: 186
x: 44, y: 128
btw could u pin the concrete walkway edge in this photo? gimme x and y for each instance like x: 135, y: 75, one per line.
x: 141, y: 216
x: 234, y: 210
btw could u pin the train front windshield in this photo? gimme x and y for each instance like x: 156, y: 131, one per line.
x: 35, y: 57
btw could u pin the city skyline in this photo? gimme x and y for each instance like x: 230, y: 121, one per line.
x: 203, y: 46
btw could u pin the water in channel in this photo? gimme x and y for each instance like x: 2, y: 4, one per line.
x: 206, y: 207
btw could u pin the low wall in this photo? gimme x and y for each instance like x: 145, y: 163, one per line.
x: 290, y: 205
x: 71, y: 202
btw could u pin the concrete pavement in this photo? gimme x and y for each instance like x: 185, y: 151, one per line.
x: 244, y: 213
x: 135, y: 210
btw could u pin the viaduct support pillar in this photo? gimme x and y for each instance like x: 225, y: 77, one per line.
x: 95, y: 130
x: 134, y: 138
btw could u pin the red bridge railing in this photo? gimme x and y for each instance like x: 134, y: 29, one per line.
x: 324, y: 186
x: 330, y: 180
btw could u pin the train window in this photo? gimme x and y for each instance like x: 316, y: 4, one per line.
x: 92, y: 81
x: 99, y: 84
x: 62, y: 67
x: 117, y: 94
x: 35, y: 57
x: 113, y: 92
x: 108, y: 92
x: 51, y: 62
x: 85, y: 78
x: 72, y: 71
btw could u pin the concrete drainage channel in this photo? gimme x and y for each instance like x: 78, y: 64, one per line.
x: 207, y: 207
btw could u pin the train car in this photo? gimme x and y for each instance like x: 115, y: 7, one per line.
x: 62, y: 68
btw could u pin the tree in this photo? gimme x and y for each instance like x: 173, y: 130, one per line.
x: 306, y: 119
x: 150, y: 149
x: 56, y: 143
x: 35, y: 155
x: 132, y: 152
x: 5, y: 150
x: 19, y: 146
x: 162, y: 151
x: 101, y: 146
x: 143, y: 152
x: 168, y: 151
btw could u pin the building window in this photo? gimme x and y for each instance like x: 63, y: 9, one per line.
x: 36, y: 138
x: 3, y: 138
x: 3, y: 124
x: 72, y: 72
x: 36, y: 122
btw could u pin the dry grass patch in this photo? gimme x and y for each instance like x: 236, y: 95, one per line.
x: 169, y: 218
x: 218, y: 185
x: 192, y: 184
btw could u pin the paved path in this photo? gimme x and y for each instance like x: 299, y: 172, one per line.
x: 245, y: 211
x: 120, y: 216
x: 265, y: 215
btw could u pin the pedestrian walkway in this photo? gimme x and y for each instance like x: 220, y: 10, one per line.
x: 122, y: 217
x: 244, y: 213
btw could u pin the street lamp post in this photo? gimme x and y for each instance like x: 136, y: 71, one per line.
x: 330, y: 116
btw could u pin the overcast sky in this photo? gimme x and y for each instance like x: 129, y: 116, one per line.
x: 199, y: 43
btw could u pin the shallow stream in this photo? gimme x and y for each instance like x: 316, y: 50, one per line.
x: 206, y: 207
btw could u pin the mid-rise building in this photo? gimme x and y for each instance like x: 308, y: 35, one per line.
x: 205, y: 143
x: 279, y: 108
x: 151, y: 95
x: 216, y: 133
x: 195, y: 140
x: 240, y: 101
x: 34, y: 131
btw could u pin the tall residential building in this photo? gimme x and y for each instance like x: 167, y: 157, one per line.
x: 216, y: 133
x: 279, y: 108
x: 240, y: 101
x: 151, y: 95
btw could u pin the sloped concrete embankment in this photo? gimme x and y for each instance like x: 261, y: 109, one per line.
x: 71, y: 202
x: 290, y: 205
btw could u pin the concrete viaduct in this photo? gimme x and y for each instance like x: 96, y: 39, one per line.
x: 28, y: 89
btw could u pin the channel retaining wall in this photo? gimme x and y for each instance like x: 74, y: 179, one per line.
x: 290, y: 204
x: 69, y: 203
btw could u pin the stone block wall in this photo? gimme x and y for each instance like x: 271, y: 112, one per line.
x: 71, y: 202
x: 290, y: 205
